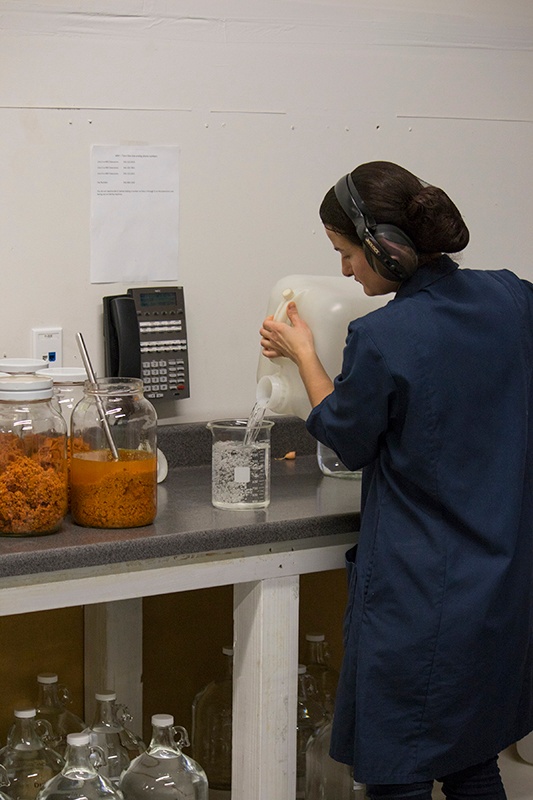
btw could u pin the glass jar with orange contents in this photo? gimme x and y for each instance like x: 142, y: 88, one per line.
x: 113, y: 465
x: 33, y: 458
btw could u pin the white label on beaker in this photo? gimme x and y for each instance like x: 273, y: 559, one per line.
x: 241, y: 474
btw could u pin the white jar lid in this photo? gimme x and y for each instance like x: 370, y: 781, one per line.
x: 21, y: 365
x: 25, y: 387
x: 65, y: 374
x: 163, y: 720
x: 47, y: 677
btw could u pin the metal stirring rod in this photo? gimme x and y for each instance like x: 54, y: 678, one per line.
x: 100, y: 406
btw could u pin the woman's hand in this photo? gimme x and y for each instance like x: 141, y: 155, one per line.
x: 295, y: 341
x: 281, y: 339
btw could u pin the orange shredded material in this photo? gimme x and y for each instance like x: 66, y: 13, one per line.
x: 113, y: 494
x: 33, y: 488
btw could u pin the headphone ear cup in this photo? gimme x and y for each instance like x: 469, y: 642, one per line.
x: 398, y: 247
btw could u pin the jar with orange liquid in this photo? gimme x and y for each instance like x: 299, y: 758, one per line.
x: 113, y: 489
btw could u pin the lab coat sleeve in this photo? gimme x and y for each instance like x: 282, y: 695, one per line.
x: 355, y: 417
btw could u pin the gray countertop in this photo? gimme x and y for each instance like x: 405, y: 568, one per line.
x: 304, y: 504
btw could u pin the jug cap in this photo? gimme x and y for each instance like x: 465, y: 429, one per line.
x: 106, y: 694
x: 162, y: 720
x: 228, y: 651
x: 302, y: 669
x: 78, y: 738
x: 47, y: 677
x: 315, y: 637
x: 25, y: 713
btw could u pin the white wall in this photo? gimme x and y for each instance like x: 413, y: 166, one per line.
x: 270, y: 102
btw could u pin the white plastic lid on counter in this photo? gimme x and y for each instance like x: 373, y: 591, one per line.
x: 19, y: 366
x: 65, y: 374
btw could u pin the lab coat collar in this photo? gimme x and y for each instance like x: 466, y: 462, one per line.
x: 426, y: 275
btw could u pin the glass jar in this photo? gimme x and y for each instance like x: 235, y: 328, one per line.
x: 114, y: 489
x: 33, y: 458
x: 68, y: 388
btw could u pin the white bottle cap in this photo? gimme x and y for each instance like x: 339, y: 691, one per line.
x: 302, y: 669
x: 314, y: 637
x: 228, y: 651
x: 25, y: 713
x: 107, y: 694
x: 163, y: 720
x: 78, y: 739
x: 47, y: 677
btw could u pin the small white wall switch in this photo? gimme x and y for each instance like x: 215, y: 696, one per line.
x: 47, y: 344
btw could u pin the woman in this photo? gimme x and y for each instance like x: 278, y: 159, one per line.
x: 433, y: 401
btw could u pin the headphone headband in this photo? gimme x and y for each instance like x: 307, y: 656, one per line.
x: 389, y: 251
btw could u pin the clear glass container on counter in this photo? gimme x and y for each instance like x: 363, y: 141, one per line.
x: 240, y: 464
x: 33, y: 458
x: 164, y: 772
x: 212, y: 728
x: 80, y: 779
x: 28, y: 761
x: 107, y: 489
x: 331, y: 465
x: 51, y: 705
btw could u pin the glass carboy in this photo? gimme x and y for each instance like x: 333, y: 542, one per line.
x: 51, y: 706
x: 113, y: 477
x: 79, y: 779
x: 106, y: 733
x: 164, y: 772
x: 317, y: 659
x: 28, y: 761
x: 33, y: 458
x: 311, y: 715
x: 325, y: 778
x: 212, y: 729
x: 4, y: 781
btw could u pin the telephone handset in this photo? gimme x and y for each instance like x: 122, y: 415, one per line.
x: 146, y: 337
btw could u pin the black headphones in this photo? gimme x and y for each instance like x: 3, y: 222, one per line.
x: 388, y: 250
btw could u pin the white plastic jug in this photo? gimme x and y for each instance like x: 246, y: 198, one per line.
x: 327, y: 304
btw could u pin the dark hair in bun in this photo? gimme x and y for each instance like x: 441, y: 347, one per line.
x: 395, y: 196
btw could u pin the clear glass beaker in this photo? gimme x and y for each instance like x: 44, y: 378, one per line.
x: 240, y: 464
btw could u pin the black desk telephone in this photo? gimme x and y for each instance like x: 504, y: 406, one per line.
x: 146, y: 337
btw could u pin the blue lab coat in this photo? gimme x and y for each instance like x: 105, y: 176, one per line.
x: 434, y: 400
